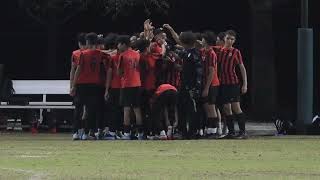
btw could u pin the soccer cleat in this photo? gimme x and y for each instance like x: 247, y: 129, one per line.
x: 110, y: 136
x: 84, y: 137
x: 98, y: 135
x: 80, y: 132
x: 228, y: 136
x: 141, y: 136
x: 126, y: 136
x: 151, y: 137
x: 75, y: 136
x: 163, y: 135
x: 88, y: 137
x: 242, y: 135
x: 177, y: 136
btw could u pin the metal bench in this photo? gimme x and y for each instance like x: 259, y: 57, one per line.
x: 44, y: 88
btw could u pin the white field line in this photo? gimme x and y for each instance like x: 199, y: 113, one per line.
x: 34, y: 175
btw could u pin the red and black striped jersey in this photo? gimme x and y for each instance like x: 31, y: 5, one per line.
x: 171, y: 73
x: 228, y: 59
x: 210, y: 60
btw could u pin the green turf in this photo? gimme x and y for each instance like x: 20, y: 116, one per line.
x: 24, y: 156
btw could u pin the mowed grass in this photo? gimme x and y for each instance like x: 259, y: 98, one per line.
x: 47, y: 156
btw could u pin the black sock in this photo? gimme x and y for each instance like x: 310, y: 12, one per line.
x: 230, y: 124
x: 126, y: 129
x: 210, y: 122
x: 241, y: 118
x: 140, y: 128
x: 215, y: 123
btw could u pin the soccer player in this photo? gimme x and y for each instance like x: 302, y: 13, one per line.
x: 130, y: 95
x: 87, y: 83
x: 112, y: 93
x: 220, y: 39
x: 148, y: 80
x: 164, y: 100
x: 217, y: 50
x: 191, y: 83
x: 231, y: 89
x: 78, y: 106
x: 210, y: 82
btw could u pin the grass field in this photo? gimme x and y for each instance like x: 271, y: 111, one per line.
x: 43, y: 156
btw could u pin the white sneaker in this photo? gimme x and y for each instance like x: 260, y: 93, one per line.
x: 201, y: 132
x: 80, y: 133
x: 75, y: 136
x: 110, y: 136
x: 84, y: 136
x: 140, y: 136
x: 98, y: 135
x: 126, y: 136
x: 163, y: 135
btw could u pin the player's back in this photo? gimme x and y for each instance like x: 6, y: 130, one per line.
x: 129, y: 61
x: 92, y: 67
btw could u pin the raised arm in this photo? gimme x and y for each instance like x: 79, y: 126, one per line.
x: 173, y: 33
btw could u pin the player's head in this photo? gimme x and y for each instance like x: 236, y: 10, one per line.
x: 81, y: 40
x: 143, y: 45
x: 209, y: 38
x: 230, y: 38
x: 91, y: 39
x: 111, y: 41
x: 123, y: 42
x: 198, y: 43
x: 133, y: 40
x: 187, y: 39
x: 220, y: 39
x: 159, y: 35
x: 100, y: 42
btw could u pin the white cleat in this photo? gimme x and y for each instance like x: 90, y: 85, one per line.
x: 75, y: 137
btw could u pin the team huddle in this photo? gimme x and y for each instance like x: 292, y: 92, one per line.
x: 157, y: 84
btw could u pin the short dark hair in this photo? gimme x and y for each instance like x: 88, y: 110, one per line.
x: 124, y: 39
x: 210, y: 37
x: 231, y: 33
x: 198, y: 36
x: 110, y: 41
x: 157, y: 31
x: 221, y: 36
x: 142, y: 44
x: 81, y: 37
x: 187, y: 38
x: 92, y: 38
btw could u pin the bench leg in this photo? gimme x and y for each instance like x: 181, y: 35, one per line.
x: 40, y: 116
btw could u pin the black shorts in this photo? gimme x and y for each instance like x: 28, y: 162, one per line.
x: 114, y: 97
x: 212, y: 96
x: 229, y: 94
x: 130, y: 97
x: 168, y: 98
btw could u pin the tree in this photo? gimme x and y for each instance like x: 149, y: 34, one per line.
x: 54, y: 13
